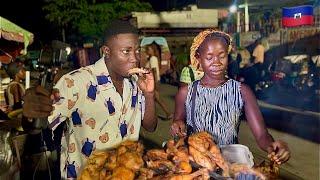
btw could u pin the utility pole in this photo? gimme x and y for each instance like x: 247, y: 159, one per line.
x: 246, y: 17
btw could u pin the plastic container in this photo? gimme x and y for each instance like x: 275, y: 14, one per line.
x: 237, y: 153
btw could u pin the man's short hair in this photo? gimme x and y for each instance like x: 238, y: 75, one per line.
x: 14, y: 68
x: 119, y: 27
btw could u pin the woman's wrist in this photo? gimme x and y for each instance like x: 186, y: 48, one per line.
x: 179, y: 120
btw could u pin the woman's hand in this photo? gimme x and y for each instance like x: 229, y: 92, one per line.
x: 178, y: 128
x: 278, y: 152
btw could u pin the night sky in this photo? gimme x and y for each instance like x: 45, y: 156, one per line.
x: 29, y: 15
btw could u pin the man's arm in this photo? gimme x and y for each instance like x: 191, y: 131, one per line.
x: 149, y: 121
x: 52, y: 106
x: 147, y: 86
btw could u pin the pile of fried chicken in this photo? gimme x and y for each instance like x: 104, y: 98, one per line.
x: 184, y: 159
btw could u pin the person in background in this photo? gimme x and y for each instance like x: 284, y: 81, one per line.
x: 189, y: 74
x: 102, y: 104
x: 256, y: 71
x: 258, y: 52
x: 170, y: 76
x: 15, y: 90
x: 234, y: 60
x: 215, y: 103
x: 153, y: 64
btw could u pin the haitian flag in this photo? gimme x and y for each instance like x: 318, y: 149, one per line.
x: 297, y: 16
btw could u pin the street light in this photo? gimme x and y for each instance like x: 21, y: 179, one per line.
x: 233, y: 8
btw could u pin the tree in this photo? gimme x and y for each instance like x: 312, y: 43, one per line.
x: 87, y: 18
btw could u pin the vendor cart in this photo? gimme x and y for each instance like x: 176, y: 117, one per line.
x: 14, y: 40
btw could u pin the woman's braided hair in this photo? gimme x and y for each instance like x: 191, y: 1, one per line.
x: 198, y: 40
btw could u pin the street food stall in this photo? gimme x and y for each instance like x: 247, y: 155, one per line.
x: 193, y: 157
x: 14, y: 41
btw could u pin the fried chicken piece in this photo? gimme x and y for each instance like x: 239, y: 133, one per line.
x: 121, y: 173
x: 163, y: 177
x: 161, y: 165
x: 201, y: 159
x: 181, y: 155
x: 85, y: 175
x: 137, y: 71
x: 184, y: 167
x: 145, y: 174
x: 156, y: 154
x: 270, y: 170
x: 131, y: 146
x: 216, y: 156
x: 172, y: 146
x: 121, y: 150
x: 88, y: 174
x: 111, y: 162
x: 104, y: 173
x: 130, y: 160
x: 98, y: 159
x: 202, y: 141
x: 201, y: 172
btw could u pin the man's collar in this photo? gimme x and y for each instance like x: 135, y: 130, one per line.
x: 101, y: 73
x: 100, y: 67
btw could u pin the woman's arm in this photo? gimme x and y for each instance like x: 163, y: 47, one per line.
x: 255, y: 119
x: 178, y: 124
x: 277, y: 150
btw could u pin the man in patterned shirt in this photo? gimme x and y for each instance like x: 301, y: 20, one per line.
x: 101, y: 104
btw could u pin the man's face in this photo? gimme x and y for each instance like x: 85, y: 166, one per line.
x: 123, y: 51
x: 22, y: 73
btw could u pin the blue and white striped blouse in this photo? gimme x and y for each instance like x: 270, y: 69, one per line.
x: 217, y: 111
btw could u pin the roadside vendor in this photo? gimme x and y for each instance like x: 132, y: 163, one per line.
x: 102, y: 103
x: 15, y: 89
x: 215, y: 103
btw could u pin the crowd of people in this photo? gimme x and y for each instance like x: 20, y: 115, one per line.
x: 101, y: 105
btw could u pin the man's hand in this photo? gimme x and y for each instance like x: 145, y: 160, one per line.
x: 279, y: 152
x: 37, y: 103
x: 146, y: 82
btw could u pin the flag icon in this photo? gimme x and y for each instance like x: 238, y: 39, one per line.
x: 297, y: 16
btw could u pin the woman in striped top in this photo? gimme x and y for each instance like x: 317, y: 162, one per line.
x: 215, y: 103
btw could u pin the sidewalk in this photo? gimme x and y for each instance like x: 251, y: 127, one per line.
x: 304, y: 162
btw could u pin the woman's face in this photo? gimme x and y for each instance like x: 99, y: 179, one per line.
x: 213, y: 57
x: 149, y: 51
